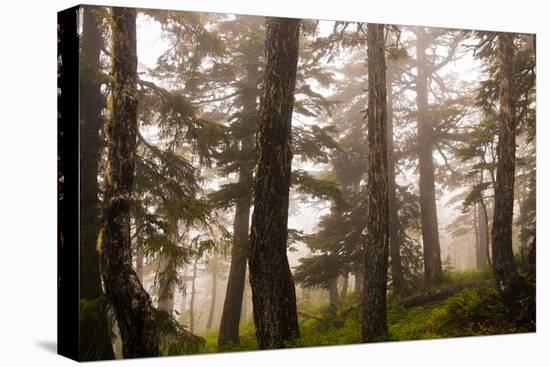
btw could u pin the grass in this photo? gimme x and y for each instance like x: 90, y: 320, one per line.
x: 471, y: 311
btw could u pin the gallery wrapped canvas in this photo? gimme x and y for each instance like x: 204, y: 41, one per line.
x: 236, y: 182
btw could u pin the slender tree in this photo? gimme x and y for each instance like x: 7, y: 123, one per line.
x: 231, y: 314
x: 273, y: 292
x: 395, y: 248
x: 130, y: 302
x: 503, y: 257
x: 433, y: 270
x: 95, y: 340
x: 377, y: 238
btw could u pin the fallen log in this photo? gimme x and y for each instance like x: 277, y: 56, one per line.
x: 440, y: 294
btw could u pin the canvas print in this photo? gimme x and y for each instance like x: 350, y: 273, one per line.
x: 236, y: 182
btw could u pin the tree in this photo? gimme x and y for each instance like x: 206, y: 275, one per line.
x: 273, y: 293
x: 95, y: 339
x: 433, y: 271
x: 130, y: 302
x: 377, y: 225
x: 504, y: 266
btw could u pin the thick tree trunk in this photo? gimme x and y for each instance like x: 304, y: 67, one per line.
x: 273, y: 292
x: 231, y: 314
x: 333, y: 296
x: 377, y: 238
x: 213, y: 298
x: 433, y: 271
x: 95, y: 339
x: 130, y: 302
x: 395, y: 251
x: 503, y: 258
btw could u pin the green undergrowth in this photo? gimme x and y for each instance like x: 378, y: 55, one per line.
x: 471, y: 311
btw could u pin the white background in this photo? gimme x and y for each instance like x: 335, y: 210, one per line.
x: 28, y: 182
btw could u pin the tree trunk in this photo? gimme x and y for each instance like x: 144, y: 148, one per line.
x: 95, y: 339
x: 503, y: 257
x: 333, y: 296
x: 483, y: 236
x: 273, y: 292
x: 433, y: 271
x: 140, y: 262
x: 167, y: 291
x: 231, y: 314
x: 395, y: 251
x: 345, y: 284
x: 377, y: 238
x: 213, y: 298
x: 192, y: 300
x: 477, y: 235
x: 358, y: 286
x: 130, y: 302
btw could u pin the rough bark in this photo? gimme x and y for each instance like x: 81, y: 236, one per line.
x: 213, y: 298
x: 503, y: 258
x: 273, y: 291
x: 395, y: 251
x: 130, y: 302
x: 433, y: 271
x: 95, y: 339
x: 377, y: 238
x: 231, y: 314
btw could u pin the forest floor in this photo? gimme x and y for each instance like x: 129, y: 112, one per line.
x: 474, y: 308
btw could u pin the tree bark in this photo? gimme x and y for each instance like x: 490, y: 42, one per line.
x: 377, y: 238
x: 433, y: 271
x: 130, y: 302
x: 503, y: 257
x: 395, y: 251
x: 273, y: 291
x: 231, y: 314
x: 95, y: 339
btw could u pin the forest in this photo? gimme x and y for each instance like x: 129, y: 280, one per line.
x: 259, y: 183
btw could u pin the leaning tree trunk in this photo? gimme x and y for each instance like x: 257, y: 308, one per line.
x: 377, y: 238
x: 503, y: 257
x: 395, y: 251
x: 95, y: 338
x: 433, y: 271
x: 231, y: 314
x: 130, y: 302
x: 273, y: 292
